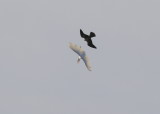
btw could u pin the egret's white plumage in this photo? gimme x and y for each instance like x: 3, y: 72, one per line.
x: 81, y: 53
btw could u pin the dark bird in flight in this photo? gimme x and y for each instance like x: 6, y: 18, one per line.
x: 87, y: 38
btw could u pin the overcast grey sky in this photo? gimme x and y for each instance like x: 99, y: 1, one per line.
x: 39, y: 73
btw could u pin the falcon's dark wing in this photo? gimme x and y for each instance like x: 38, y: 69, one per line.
x: 89, y: 42
x: 92, y: 34
x: 82, y: 34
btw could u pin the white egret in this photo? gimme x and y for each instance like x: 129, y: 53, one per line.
x: 82, y: 55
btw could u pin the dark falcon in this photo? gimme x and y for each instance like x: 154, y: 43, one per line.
x: 87, y: 38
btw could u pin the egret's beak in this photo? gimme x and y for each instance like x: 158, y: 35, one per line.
x: 78, y: 60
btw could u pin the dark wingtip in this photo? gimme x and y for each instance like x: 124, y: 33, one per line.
x: 95, y: 47
x: 81, y: 33
x: 92, y: 46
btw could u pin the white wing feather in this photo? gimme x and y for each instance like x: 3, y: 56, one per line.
x: 81, y: 53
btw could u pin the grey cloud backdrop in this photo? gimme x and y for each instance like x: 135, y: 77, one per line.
x: 39, y: 73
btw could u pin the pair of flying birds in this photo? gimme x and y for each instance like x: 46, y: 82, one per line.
x: 80, y: 51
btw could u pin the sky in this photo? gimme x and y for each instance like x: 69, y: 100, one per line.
x: 39, y: 73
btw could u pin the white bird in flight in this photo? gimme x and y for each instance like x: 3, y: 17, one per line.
x: 82, y: 55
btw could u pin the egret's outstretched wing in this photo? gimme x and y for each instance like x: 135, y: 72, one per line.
x: 87, y: 63
x: 77, y: 49
x: 81, y: 53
